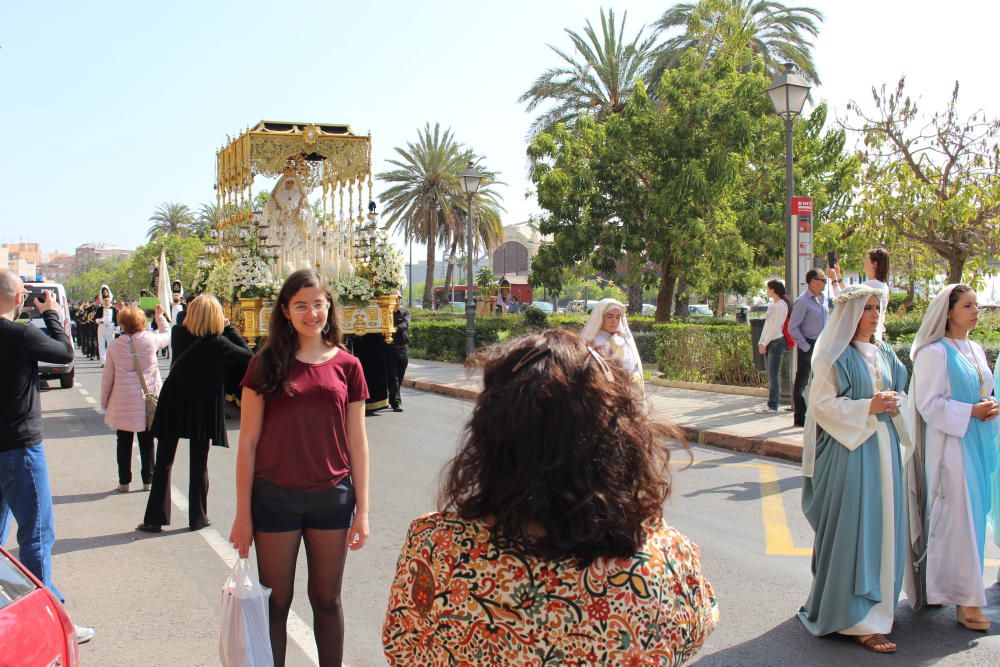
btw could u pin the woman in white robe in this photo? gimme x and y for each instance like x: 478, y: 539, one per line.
x: 853, y: 491
x: 955, y: 443
x: 608, y: 327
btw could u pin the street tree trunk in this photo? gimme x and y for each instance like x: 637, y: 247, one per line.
x: 449, y: 276
x: 955, y: 265
x: 665, y: 297
x: 429, y: 280
x: 681, y: 298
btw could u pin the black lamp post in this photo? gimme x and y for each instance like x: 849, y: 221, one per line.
x: 471, y: 178
x: 788, y: 93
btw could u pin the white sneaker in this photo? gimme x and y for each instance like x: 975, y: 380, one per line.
x: 84, y: 634
x: 765, y: 410
x: 122, y: 488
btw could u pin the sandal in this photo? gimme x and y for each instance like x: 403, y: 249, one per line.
x: 980, y: 623
x: 877, y: 643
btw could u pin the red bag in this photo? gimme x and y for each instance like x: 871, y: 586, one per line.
x: 789, y: 341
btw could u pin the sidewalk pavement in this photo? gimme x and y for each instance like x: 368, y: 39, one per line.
x: 705, y: 417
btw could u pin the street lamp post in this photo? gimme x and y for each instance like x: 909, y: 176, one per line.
x: 410, y: 298
x: 788, y: 93
x: 471, y: 178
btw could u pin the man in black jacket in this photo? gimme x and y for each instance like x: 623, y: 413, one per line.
x: 397, y: 355
x: 24, y: 476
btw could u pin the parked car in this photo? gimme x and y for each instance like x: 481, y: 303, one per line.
x: 64, y: 372
x: 649, y: 309
x: 543, y: 306
x: 700, y: 309
x: 34, y: 627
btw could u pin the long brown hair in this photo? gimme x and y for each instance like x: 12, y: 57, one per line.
x: 277, y: 355
x: 559, y: 439
x: 879, y: 257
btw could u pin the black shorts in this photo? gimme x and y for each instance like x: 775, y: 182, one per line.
x: 277, y: 509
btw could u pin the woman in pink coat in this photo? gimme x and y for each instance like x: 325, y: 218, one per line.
x: 121, y: 391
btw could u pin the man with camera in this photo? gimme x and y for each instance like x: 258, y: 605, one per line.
x: 24, y: 475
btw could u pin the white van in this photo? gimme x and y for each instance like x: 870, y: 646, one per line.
x: 65, y: 372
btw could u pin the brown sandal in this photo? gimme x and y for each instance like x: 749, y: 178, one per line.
x: 877, y: 643
x: 981, y: 624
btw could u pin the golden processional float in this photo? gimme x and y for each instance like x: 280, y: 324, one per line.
x: 256, y: 243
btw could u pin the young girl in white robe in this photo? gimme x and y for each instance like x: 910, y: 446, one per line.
x: 607, y: 327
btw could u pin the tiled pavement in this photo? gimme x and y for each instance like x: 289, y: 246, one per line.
x: 706, y: 417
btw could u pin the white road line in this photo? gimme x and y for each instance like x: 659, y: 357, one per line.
x: 298, y: 631
x: 82, y: 390
x: 91, y: 399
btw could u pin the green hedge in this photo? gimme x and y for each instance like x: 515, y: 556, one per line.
x: 444, y: 340
x: 718, y: 354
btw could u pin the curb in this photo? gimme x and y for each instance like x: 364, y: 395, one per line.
x: 773, y: 447
x: 714, y: 388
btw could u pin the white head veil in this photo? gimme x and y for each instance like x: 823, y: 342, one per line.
x: 931, y: 330
x: 111, y: 294
x: 596, y: 320
x: 849, y: 305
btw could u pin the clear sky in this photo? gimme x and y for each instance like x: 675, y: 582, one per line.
x: 111, y: 108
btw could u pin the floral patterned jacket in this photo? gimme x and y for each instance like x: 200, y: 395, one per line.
x: 459, y: 600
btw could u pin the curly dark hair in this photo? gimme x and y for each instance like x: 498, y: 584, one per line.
x: 559, y: 440
x: 277, y: 354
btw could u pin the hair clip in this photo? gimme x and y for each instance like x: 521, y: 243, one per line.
x: 602, y: 364
x: 530, y: 356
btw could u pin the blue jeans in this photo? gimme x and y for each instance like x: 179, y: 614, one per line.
x: 774, y: 352
x: 25, y: 493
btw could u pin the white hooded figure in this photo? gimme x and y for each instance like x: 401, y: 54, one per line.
x: 608, y: 328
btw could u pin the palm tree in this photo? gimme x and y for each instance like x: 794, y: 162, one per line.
x: 487, y: 231
x: 777, y: 33
x: 424, y: 196
x: 206, y: 219
x: 596, y: 79
x: 170, y: 218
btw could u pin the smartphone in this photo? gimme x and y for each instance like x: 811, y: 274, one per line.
x: 40, y: 298
x: 831, y: 259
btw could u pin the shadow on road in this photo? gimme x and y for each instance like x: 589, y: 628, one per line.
x: 924, y: 638
x: 83, y: 497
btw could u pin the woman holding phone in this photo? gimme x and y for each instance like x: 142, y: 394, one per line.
x: 876, y: 269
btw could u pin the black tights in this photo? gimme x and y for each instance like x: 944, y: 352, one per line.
x: 326, y: 553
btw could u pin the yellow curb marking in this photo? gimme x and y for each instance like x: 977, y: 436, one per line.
x: 777, y: 535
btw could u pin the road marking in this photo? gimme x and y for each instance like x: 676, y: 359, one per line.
x: 777, y: 535
x: 82, y: 390
x: 91, y: 400
x: 298, y: 630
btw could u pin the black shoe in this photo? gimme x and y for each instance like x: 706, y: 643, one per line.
x: 149, y: 528
x: 799, y: 424
x: 397, y: 408
x: 199, y: 526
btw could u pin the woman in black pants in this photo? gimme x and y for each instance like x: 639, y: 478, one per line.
x: 191, y: 406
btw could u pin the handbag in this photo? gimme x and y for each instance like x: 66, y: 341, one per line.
x: 244, y: 636
x: 148, y: 399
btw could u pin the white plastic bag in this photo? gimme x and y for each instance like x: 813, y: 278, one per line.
x: 244, y: 640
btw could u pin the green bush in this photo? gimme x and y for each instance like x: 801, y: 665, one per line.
x: 645, y: 342
x: 535, y: 318
x: 444, y: 340
x: 718, y: 354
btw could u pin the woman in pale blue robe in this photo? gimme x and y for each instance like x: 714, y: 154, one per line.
x: 853, y: 489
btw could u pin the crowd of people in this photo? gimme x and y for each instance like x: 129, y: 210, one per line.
x: 549, y: 543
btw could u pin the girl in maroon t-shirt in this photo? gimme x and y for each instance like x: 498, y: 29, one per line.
x: 302, y: 465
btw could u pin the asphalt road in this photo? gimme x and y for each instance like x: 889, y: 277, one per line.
x: 154, y: 600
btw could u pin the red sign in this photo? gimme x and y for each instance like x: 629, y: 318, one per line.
x: 802, y: 206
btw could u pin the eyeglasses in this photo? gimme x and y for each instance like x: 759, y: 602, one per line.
x: 304, y: 308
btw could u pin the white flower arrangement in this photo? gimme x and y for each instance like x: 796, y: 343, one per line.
x: 387, y: 269
x: 353, y: 288
x: 251, y: 278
